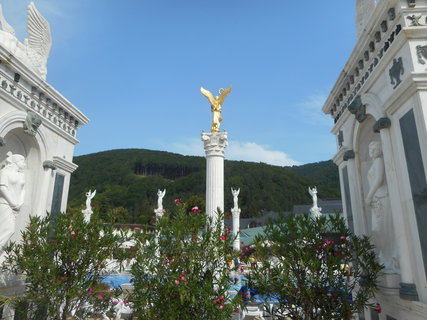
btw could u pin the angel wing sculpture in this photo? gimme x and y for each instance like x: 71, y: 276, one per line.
x: 216, y: 105
x: 4, y: 25
x: 35, y: 50
x: 39, y: 39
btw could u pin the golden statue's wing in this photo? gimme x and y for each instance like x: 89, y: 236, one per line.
x: 208, y: 95
x: 224, y: 94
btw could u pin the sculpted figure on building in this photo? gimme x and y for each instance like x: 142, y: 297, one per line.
x: 12, y: 194
x: 377, y: 200
x: 35, y: 50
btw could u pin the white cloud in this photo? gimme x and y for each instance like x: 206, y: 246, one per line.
x: 246, y: 151
x: 311, y: 110
x: 251, y: 151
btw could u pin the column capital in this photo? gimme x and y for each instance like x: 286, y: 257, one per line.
x: 215, y: 143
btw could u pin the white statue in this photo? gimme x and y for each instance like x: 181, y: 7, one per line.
x: 378, y: 200
x: 235, y: 211
x: 235, y: 197
x: 315, y: 210
x: 88, y: 211
x: 12, y: 194
x: 160, y: 196
x: 35, y: 50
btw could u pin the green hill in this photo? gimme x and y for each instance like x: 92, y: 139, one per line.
x: 130, y: 178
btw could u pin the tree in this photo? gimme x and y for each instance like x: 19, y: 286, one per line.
x: 183, y: 274
x: 315, y: 268
x: 64, y: 260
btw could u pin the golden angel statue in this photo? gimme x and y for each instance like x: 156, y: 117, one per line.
x: 216, y: 105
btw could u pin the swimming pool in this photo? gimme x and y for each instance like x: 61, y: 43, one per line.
x: 116, y: 280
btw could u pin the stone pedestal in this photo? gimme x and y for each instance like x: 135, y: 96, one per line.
x: 214, y: 145
x: 236, y: 228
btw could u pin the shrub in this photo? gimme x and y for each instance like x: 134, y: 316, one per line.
x: 305, y: 264
x: 64, y: 260
x: 184, y: 275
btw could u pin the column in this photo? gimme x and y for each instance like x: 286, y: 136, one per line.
x: 214, y: 145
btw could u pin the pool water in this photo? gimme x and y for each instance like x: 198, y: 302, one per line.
x: 115, y: 280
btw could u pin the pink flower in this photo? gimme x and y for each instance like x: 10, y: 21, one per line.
x: 378, y: 308
x: 115, y: 302
x: 177, y: 201
x: 221, y: 306
x: 164, y: 211
x: 73, y: 233
x: 343, y: 239
x: 90, y: 292
x: 224, y: 237
x: 228, y: 228
x: 101, y: 295
x: 137, y: 228
x: 195, y: 210
x: 177, y: 281
x: 182, y: 278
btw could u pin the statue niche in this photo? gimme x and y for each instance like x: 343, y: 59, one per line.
x: 12, y: 193
x: 378, y: 203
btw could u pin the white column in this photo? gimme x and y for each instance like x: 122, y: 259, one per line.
x: 236, y: 228
x: 214, y: 144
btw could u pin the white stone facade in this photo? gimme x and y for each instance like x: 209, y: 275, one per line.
x: 381, y: 95
x: 37, y: 122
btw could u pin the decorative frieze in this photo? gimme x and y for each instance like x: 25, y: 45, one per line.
x: 40, y: 104
x: 382, y: 123
x: 366, y: 64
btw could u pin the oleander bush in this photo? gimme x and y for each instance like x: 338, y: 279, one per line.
x: 314, y: 268
x: 184, y: 273
x: 63, y: 260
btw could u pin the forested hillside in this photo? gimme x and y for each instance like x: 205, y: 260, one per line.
x: 129, y: 178
x: 324, y: 173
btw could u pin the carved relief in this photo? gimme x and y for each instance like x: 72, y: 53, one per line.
x: 415, y: 20
x: 411, y: 3
x: 49, y: 164
x: 32, y: 123
x: 396, y: 71
x: 421, y: 53
x: 378, y: 203
x: 349, y: 154
x: 382, y: 123
x: 358, y: 109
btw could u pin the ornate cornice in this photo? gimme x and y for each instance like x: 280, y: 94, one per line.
x: 64, y: 164
x: 20, y: 85
x: 369, y: 51
x: 215, y: 143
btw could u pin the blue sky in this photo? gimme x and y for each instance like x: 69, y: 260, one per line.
x: 134, y: 67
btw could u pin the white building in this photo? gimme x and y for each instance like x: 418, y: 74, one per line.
x: 36, y: 121
x: 379, y: 103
